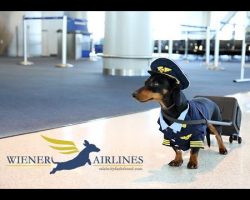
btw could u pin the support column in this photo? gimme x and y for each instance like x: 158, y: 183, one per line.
x: 64, y: 45
x: 186, y: 46
x: 25, y: 44
x: 208, y: 21
x: 243, y: 50
x: 215, y: 66
x: 159, y: 47
x: 170, y: 48
x: 217, y: 48
x: 243, y: 57
x: 208, y: 45
x: 128, y: 43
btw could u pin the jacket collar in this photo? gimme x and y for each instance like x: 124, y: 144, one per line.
x: 176, y: 127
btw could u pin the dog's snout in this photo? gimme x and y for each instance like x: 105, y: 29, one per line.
x: 134, y: 94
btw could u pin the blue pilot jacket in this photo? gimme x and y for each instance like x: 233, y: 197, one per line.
x: 185, y: 136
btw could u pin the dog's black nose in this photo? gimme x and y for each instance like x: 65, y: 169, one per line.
x: 134, y: 94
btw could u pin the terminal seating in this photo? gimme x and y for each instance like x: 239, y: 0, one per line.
x: 230, y: 47
x: 237, y: 47
x: 198, y: 47
x: 248, y: 49
x: 179, y: 46
x: 226, y: 47
x: 164, y: 46
x: 212, y: 46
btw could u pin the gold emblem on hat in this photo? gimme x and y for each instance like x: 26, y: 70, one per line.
x: 163, y: 69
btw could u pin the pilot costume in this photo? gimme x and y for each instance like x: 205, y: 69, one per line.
x: 181, y: 136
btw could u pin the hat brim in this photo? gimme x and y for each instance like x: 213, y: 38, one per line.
x: 183, y: 86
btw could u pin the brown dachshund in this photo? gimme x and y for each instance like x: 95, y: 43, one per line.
x: 166, y: 90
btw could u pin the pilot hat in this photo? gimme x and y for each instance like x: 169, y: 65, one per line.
x: 170, y: 69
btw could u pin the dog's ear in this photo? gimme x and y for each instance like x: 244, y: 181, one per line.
x: 176, y: 93
x: 176, y: 97
x: 86, y: 143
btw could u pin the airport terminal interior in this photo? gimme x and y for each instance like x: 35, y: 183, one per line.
x: 68, y: 118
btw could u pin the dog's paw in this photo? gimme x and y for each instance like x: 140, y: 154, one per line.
x: 192, y: 165
x: 223, y: 151
x: 175, y: 163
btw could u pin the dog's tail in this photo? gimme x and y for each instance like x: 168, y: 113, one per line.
x: 208, y: 137
x: 54, y: 161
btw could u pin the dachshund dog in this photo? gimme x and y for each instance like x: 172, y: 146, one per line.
x: 80, y: 160
x: 167, y: 92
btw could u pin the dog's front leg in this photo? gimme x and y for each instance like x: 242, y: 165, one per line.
x: 193, y: 160
x: 177, y: 160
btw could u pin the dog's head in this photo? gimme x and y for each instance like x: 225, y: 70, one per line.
x: 159, y: 88
x: 90, y: 147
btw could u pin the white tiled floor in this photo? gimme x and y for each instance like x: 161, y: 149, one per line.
x: 129, y: 135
